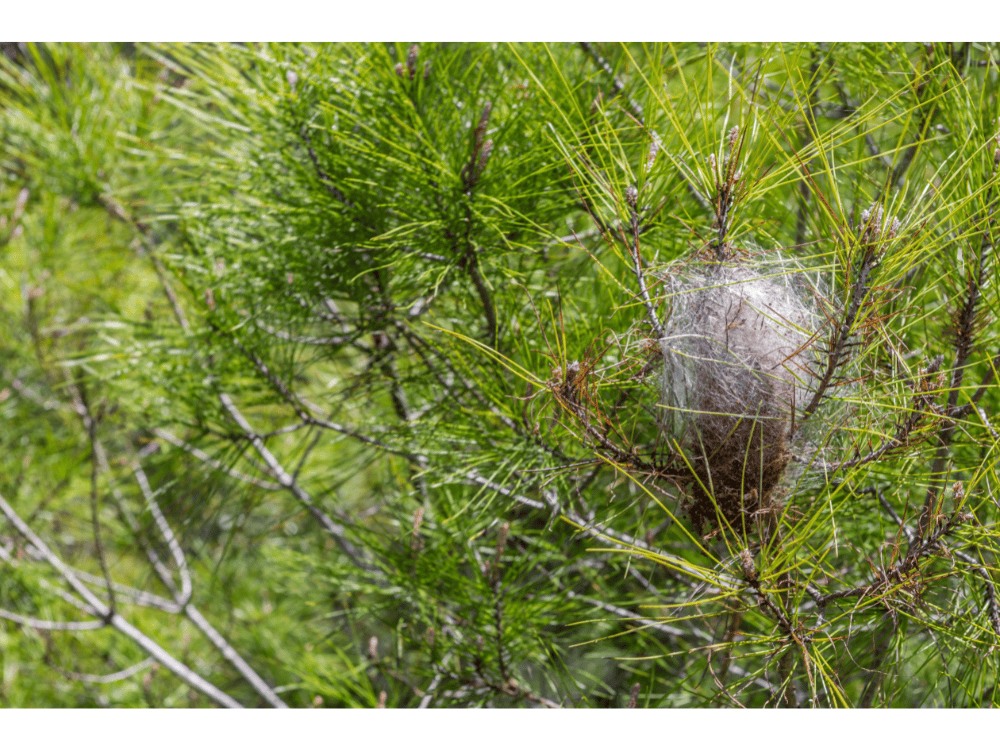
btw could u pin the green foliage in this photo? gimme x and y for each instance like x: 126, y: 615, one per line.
x: 333, y: 373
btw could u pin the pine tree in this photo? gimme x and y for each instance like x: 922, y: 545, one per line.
x: 504, y: 375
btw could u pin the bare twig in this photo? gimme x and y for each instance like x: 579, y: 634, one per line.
x: 328, y: 183
x: 33, y: 622
x: 90, y: 424
x: 218, y: 465
x: 114, y: 619
x: 631, y: 196
x: 167, y: 533
x: 107, y: 679
x: 338, y: 532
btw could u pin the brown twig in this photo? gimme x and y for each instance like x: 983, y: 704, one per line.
x: 964, y: 340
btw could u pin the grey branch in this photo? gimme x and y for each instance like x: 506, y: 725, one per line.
x: 218, y: 465
x: 105, y: 679
x: 338, y: 532
x: 114, y: 619
x: 51, y: 624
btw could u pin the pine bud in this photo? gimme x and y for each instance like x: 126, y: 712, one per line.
x: 411, y: 61
x: 483, y: 121
x: 871, y: 219
x: 746, y: 562
x: 484, y: 156
x: 598, y: 100
x: 502, y: 539
x: 654, y: 149
x: 416, y: 543
x: 633, y: 699
x: 631, y: 196
x: 733, y: 135
x: 19, y: 204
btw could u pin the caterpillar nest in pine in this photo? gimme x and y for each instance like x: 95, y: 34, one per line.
x: 737, y: 362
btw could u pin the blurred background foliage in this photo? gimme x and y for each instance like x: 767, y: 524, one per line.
x: 326, y: 369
